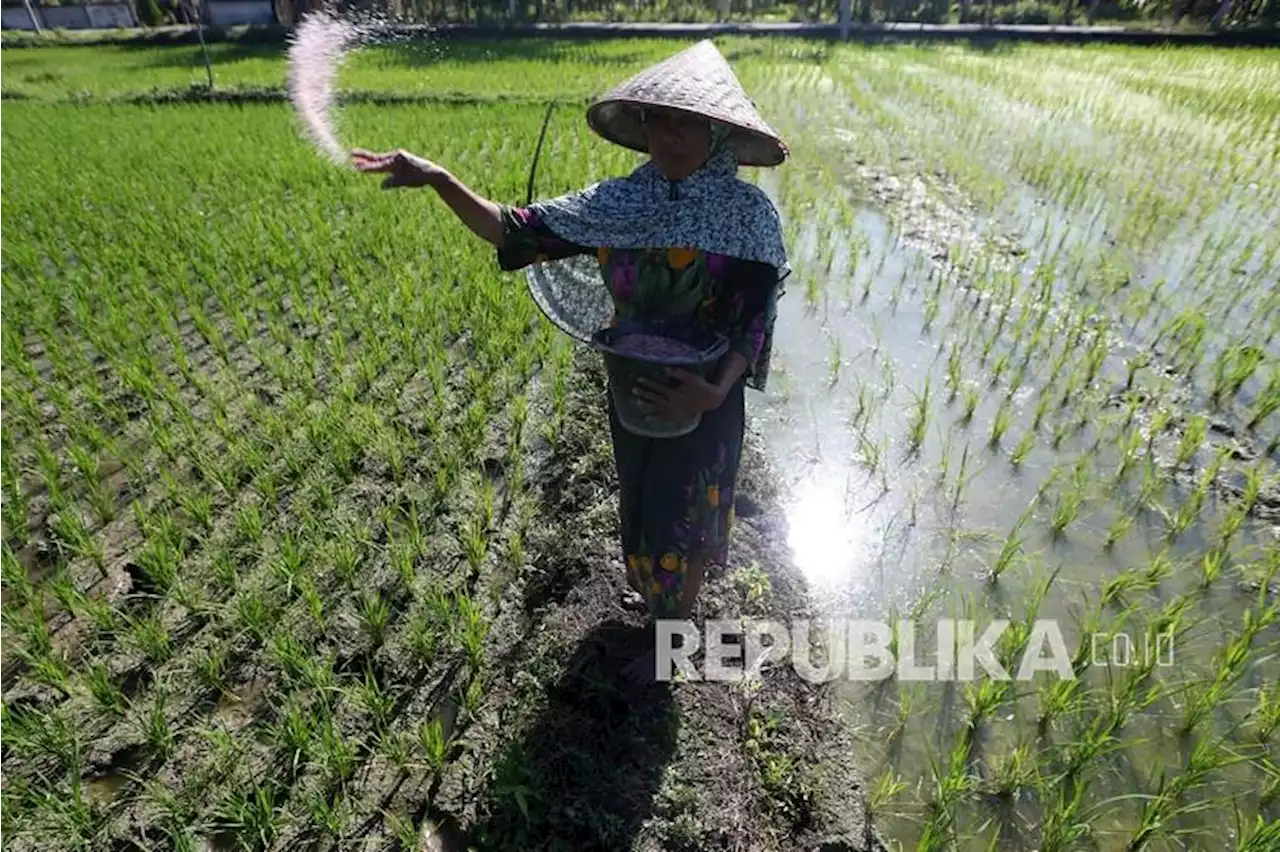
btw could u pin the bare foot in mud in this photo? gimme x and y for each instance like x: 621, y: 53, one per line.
x: 632, y: 600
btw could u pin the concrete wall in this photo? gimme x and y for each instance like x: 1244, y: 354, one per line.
x: 230, y: 13
x: 16, y: 18
x: 93, y: 16
x: 64, y: 17
x: 106, y: 16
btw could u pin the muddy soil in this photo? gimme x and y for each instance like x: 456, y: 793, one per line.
x: 560, y: 758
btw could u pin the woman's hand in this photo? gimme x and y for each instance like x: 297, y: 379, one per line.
x: 694, y: 395
x: 401, y: 167
x: 481, y: 215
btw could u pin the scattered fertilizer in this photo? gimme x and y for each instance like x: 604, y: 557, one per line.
x: 316, y: 51
x: 654, y: 347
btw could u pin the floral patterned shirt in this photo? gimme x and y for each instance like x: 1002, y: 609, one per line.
x: 729, y: 295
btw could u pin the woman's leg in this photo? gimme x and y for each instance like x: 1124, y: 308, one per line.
x: 692, y: 585
x: 688, y: 509
x: 730, y: 426
x: 630, y: 454
x: 643, y: 669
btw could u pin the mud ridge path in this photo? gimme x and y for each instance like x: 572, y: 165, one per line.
x: 557, y: 759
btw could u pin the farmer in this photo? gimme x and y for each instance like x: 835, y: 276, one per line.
x: 682, y: 219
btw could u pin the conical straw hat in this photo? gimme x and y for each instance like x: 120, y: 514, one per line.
x: 696, y: 80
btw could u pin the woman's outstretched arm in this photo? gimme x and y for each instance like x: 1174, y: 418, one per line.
x: 481, y: 215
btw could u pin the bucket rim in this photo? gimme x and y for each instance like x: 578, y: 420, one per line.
x: 711, y: 345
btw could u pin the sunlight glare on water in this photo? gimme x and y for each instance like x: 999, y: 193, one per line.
x: 831, y: 545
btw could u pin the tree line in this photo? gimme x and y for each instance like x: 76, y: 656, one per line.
x: 1224, y: 14
x: 1215, y: 13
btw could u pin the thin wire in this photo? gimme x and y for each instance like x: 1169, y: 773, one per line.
x: 537, y: 152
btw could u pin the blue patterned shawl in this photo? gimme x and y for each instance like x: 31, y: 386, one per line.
x: 711, y: 209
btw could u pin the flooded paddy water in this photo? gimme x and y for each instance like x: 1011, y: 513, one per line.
x: 1027, y: 368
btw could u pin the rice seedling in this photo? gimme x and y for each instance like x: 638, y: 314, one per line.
x: 951, y: 788
x: 339, y: 756
x: 1000, y: 423
x: 1189, y: 512
x: 1163, y: 807
x: 1067, y: 504
x: 970, y: 404
x: 87, y: 463
x: 292, y: 732
x: 1259, y: 836
x: 328, y: 814
x: 1192, y: 438
x: 1118, y: 530
x: 424, y: 634
x: 981, y: 702
x: 375, y: 616
x: 1233, y: 368
x: 151, y: 637
x: 345, y: 559
x: 870, y: 453
x: 69, y: 817
x: 36, y: 647
x: 434, y: 744
x: 1012, y: 549
x: 157, y: 731
x: 250, y: 816
x: 1065, y: 824
x: 249, y: 523
x: 1267, y: 401
x: 1153, y: 483
x: 198, y: 507
x: 74, y: 538
x: 1015, y: 773
x: 1024, y: 446
x: 863, y: 407
x: 1232, y: 523
x: 919, y: 424
x: 159, y: 565
x: 403, y: 829
x: 887, y: 787
x: 49, y: 470
x: 1265, y: 714
x: 1204, y: 699
x: 377, y: 701
x: 211, y: 669
x: 953, y: 374
x: 106, y: 693
x: 473, y: 629
x: 19, y: 591
x: 255, y: 615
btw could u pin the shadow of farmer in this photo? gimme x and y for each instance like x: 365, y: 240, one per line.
x: 584, y: 776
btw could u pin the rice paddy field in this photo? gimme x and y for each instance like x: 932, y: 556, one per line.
x: 277, y: 445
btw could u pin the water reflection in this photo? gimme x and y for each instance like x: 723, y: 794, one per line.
x: 831, y: 544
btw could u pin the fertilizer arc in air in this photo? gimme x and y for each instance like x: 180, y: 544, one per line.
x: 317, y: 49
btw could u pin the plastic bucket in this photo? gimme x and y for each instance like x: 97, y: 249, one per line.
x: 633, y: 350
